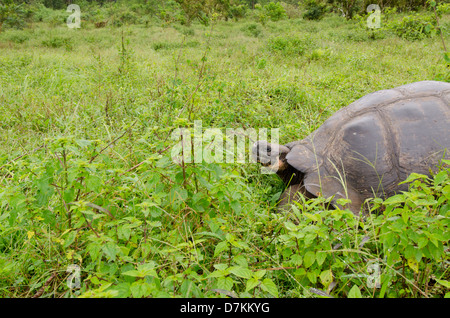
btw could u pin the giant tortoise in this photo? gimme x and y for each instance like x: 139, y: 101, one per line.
x: 367, y: 148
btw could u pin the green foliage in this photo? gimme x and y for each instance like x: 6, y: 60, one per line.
x: 292, y: 10
x: 125, y: 17
x: 400, y: 252
x: 204, y: 10
x: 87, y: 177
x: 315, y: 10
x: 57, y: 42
x: 193, y: 10
x: 252, y: 29
x: 275, y: 11
x: 55, y: 4
x: 414, y: 27
x: 12, y: 15
x: 238, y: 11
x: 290, y: 45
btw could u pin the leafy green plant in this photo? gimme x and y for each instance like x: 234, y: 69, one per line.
x: 275, y: 11
x: 18, y: 38
x: 238, y: 11
x: 290, y: 45
x: 252, y: 29
x: 12, y: 14
x: 400, y: 252
x: 57, y: 42
x: 414, y: 27
x: 315, y: 10
x: 293, y: 11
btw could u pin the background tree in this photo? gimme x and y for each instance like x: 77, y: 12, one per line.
x: 11, y: 13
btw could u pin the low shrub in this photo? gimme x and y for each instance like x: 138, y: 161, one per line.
x: 238, y: 12
x: 275, y: 11
x: 292, y: 11
x: 289, y: 45
x: 252, y: 29
x: 58, y: 42
x: 12, y: 15
x: 315, y: 10
x: 414, y: 27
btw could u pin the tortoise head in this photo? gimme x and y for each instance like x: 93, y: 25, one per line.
x: 272, y: 156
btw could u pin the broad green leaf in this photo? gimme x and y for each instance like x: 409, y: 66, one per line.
x: 269, y: 286
x: 444, y: 283
x: 446, y: 191
x: 140, y: 289
x: 69, y: 195
x: 220, y: 247
x: 93, y: 183
x: 220, y: 267
x: 313, y: 217
x: 189, y: 289
x: 309, y: 259
x: 83, y: 142
x: 259, y: 274
x: 241, y: 272
x: 225, y: 283
x: 94, y: 250
x: 440, y: 177
x: 110, y: 250
x: 396, y: 199
x: 414, y: 176
x: 154, y: 223
x: 320, y: 257
x: 124, y: 232
x: 312, y: 276
x: 251, y: 283
x: 236, y: 206
x: 326, y: 277
x: 123, y: 290
x: 69, y: 238
x: 296, y: 259
x: 147, y: 269
x: 218, y: 273
x: 410, y: 251
x: 290, y: 226
x: 434, y: 251
x: 405, y: 215
x: 133, y: 273
x: 354, y: 292
x: 422, y: 242
x: 178, y: 194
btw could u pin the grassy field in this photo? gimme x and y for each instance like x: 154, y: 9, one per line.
x: 89, y: 192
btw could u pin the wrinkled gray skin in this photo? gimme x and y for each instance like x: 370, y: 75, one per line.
x: 367, y: 148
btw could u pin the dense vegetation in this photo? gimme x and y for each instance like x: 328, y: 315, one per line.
x: 93, y: 205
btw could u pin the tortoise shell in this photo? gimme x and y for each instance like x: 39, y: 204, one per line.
x: 367, y: 148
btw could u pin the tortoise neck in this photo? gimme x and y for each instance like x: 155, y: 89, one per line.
x: 291, y: 176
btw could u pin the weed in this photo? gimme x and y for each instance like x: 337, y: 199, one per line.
x: 414, y: 27
x: 58, y: 42
x: 252, y: 29
x: 290, y: 45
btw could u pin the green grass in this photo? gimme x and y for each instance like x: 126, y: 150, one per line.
x: 87, y: 117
